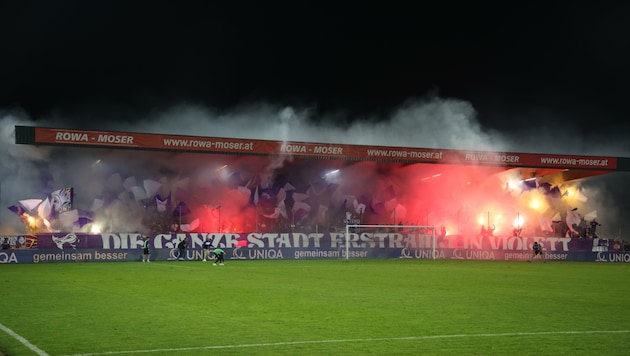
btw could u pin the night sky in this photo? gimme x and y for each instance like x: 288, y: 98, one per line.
x: 518, y: 65
x: 532, y: 77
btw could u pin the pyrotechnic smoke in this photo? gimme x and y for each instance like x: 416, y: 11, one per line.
x: 418, y: 193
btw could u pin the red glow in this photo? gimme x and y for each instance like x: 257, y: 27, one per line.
x: 462, y: 198
x: 230, y: 194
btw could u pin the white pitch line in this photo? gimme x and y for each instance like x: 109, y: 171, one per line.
x: 355, y: 340
x: 19, y: 338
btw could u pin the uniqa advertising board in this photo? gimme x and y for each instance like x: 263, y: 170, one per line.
x: 108, y: 247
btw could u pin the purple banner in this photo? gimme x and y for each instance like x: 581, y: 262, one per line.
x: 377, y: 240
x: 78, y: 247
x: 239, y: 253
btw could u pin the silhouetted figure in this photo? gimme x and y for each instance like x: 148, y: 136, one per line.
x: 537, y: 250
x: 181, y: 246
x: 594, y: 225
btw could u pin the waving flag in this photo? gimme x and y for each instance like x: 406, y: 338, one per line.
x: 545, y: 224
x: 97, y: 204
x: 129, y: 183
x: 138, y: 193
x: 322, y: 214
x: 30, y: 205
x: 114, y: 183
x: 282, y: 208
x: 181, y: 209
x: 590, y: 216
x: 151, y: 187
x: 245, y: 192
x: 190, y: 227
x: 256, y: 196
x: 556, y: 218
x: 62, y: 199
x: 18, y: 210
x: 45, y: 209
x: 282, y: 195
x: 311, y: 190
x: 399, y: 212
x: 68, y: 219
x: 162, y: 204
x: 573, y: 219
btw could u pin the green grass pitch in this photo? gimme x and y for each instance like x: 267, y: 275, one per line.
x: 315, y: 307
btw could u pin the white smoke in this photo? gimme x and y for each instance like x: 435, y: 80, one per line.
x: 428, y: 123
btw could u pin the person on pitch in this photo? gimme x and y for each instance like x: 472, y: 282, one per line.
x: 145, y: 250
x: 218, y: 256
x: 537, y: 250
x: 181, y: 246
x: 206, y: 249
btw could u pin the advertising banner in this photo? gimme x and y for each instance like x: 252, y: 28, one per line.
x: 110, y: 247
x: 111, y: 139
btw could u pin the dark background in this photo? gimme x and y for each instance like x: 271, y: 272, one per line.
x: 533, y: 62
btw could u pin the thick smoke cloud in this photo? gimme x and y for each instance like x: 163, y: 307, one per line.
x: 221, y: 189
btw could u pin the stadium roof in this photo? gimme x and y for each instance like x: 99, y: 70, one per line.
x: 569, y: 167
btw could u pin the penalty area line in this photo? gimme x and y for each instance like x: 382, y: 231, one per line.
x: 402, y: 338
x: 25, y: 342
